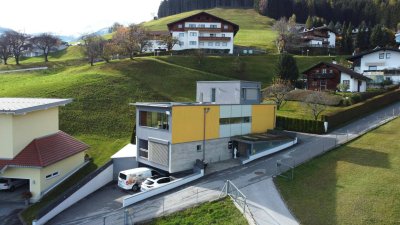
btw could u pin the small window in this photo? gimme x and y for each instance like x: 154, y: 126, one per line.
x: 213, y: 35
x: 193, y: 43
x: 324, y: 71
x: 330, y: 71
x: 226, y: 27
x: 347, y: 82
x: 213, y: 26
x: 217, y: 44
x: 192, y: 25
x: 181, y: 34
x: 180, y: 26
x: 224, y: 44
x: 314, y: 83
x: 210, y: 43
x: 50, y: 176
x: 223, y: 35
x: 181, y: 43
x: 388, y: 55
x: 201, y: 43
x: 202, y: 25
x: 373, y: 68
x: 198, y: 148
x: 213, y: 92
x: 193, y: 34
x: 381, y: 55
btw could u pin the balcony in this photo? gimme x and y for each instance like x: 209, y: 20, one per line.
x: 214, y: 38
x: 204, y: 29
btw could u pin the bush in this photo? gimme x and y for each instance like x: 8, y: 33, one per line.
x: 336, y: 119
x: 300, y: 125
x: 301, y: 96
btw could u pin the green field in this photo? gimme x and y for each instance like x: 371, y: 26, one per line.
x: 222, y: 212
x: 255, y: 29
x: 354, y: 184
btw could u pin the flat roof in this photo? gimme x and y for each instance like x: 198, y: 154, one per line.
x: 259, y: 138
x: 18, y: 106
x: 171, y: 104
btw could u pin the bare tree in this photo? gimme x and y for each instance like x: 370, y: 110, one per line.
x: 126, y: 40
x: 317, y: 102
x: 107, y: 49
x: 18, y: 43
x: 92, y: 47
x: 5, y: 48
x: 169, y: 41
x: 141, y: 35
x: 278, y: 91
x: 287, y: 34
x: 46, y: 42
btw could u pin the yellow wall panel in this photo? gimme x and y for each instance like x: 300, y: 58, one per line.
x: 188, y: 123
x: 263, y: 118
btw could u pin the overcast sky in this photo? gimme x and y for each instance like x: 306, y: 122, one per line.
x: 73, y: 17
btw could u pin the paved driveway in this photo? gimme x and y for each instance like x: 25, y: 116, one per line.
x: 11, y: 203
x: 265, y: 201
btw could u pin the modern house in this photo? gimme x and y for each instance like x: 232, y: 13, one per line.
x: 155, y: 41
x: 326, y: 76
x: 378, y: 64
x: 204, y: 31
x: 227, y: 118
x: 321, y: 37
x: 33, y: 148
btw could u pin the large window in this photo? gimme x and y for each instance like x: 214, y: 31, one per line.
x: 192, y: 25
x: 250, y: 93
x: 181, y: 34
x: 193, y: 34
x: 213, y: 26
x: 154, y: 119
x: 143, y: 148
x: 234, y: 120
x: 192, y: 42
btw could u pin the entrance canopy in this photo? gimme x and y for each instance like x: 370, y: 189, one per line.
x: 260, y: 138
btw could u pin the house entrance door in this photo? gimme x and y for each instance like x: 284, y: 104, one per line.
x: 323, y: 84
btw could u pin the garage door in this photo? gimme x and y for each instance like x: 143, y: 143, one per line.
x: 158, y: 153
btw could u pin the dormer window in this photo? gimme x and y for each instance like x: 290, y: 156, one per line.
x: 180, y: 26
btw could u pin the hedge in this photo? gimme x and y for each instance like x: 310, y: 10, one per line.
x: 300, y: 125
x: 336, y: 119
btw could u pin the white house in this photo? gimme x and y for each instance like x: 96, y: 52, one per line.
x: 378, y: 64
x: 319, y: 37
x: 156, y: 44
x: 204, y: 31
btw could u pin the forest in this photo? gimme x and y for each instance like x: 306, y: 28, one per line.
x: 372, y: 12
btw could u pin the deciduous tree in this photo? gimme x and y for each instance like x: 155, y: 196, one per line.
x: 18, y: 44
x: 5, y: 48
x: 316, y: 103
x: 278, y: 91
x: 169, y: 41
x: 92, y: 47
x: 46, y: 42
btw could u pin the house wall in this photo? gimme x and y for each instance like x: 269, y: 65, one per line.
x: 188, y: 123
x: 353, y: 83
x: 332, y: 39
x: 6, y: 137
x: 373, y: 60
x: 184, y: 155
x: 63, y: 167
x: 263, y: 119
x: 33, y: 125
x: 314, y: 83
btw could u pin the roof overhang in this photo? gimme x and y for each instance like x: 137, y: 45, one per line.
x: 41, y: 106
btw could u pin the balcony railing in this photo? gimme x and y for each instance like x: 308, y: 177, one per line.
x: 214, y: 38
x: 204, y: 29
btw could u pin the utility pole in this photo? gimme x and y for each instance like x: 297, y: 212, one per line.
x: 206, y: 110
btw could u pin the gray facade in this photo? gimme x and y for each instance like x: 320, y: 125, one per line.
x: 184, y: 155
x: 229, y: 92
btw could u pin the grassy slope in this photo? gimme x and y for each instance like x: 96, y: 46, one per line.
x: 258, y: 68
x: 255, y: 30
x: 355, y: 184
x: 221, y: 212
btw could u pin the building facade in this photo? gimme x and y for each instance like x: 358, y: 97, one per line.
x: 33, y: 148
x: 378, y: 64
x: 321, y: 37
x: 326, y: 76
x: 172, y: 136
x: 204, y: 31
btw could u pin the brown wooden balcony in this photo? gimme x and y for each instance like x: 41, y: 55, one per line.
x: 204, y: 29
x: 214, y: 38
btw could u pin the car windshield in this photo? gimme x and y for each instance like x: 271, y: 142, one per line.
x: 148, y: 182
x: 122, y: 176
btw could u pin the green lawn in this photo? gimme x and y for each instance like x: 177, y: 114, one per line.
x: 255, y: 29
x: 355, y: 184
x: 295, y: 109
x: 222, y: 212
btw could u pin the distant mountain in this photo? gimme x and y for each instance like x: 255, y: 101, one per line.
x: 103, y: 31
x: 3, y: 29
x: 68, y: 38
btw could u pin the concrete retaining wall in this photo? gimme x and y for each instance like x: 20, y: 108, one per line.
x: 94, y: 184
x: 270, y: 151
x: 147, y: 194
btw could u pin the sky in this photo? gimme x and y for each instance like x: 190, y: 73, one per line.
x: 74, y: 17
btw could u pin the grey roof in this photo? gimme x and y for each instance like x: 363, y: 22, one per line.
x: 227, y: 81
x: 25, y: 105
x: 377, y: 49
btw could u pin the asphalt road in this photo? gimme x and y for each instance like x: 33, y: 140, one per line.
x: 264, y: 201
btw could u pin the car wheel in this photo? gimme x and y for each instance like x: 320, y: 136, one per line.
x: 135, y: 188
x: 12, y: 188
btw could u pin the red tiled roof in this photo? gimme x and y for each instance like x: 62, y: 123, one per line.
x: 46, y: 151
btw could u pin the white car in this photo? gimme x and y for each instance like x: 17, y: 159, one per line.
x: 10, y: 184
x: 154, y: 182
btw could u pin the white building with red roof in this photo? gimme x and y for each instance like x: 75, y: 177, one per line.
x: 33, y: 148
